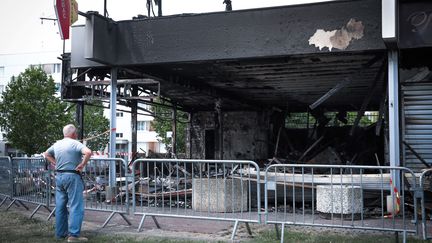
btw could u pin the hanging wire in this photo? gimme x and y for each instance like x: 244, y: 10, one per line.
x: 150, y: 8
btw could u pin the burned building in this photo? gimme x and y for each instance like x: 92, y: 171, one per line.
x: 242, y: 76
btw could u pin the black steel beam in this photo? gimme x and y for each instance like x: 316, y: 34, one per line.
x: 268, y: 32
x: 190, y: 84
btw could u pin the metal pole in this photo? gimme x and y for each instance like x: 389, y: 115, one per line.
x: 105, y: 8
x: 113, y: 126
x: 80, y: 119
x: 189, y: 139
x: 160, y: 8
x: 393, y: 90
x: 218, y: 108
x: 134, y: 118
x: 174, y: 131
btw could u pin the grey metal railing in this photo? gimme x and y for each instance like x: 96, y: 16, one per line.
x: 197, y: 189
x: 349, y: 197
x: 99, y: 195
x: 30, y: 182
x: 423, y: 178
x: 5, y: 179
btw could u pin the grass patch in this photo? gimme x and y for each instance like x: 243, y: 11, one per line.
x: 326, y: 237
x: 15, y: 227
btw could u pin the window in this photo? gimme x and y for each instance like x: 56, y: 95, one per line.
x: 119, y: 135
x: 48, y: 68
x: 119, y: 114
x: 143, y: 126
x: 57, y: 68
x: 2, y: 71
x: 121, y: 147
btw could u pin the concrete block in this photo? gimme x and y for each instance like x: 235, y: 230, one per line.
x: 219, y: 195
x: 392, y: 204
x: 111, y: 192
x: 339, y: 199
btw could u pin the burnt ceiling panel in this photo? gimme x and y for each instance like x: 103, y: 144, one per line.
x: 286, y: 57
x: 292, y: 83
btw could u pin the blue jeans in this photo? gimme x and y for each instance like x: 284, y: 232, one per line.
x: 69, y: 192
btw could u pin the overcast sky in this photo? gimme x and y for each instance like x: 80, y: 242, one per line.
x: 24, y: 32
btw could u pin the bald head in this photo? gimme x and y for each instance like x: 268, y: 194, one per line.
x: 69, y: 131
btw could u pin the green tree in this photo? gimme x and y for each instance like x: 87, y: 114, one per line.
x: 30, y: 115
x: 96, y: 127
x: 162, y: 124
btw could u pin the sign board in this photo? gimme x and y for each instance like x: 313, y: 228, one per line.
x: 415, y: 24
x: 63, y: 12
x: 74, y: 12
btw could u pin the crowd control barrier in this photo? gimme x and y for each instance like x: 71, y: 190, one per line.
x: 5, y: 179
x: 334, y: 196
x: 31, y: 182
x: 197, y: 189
x: 102, y: 195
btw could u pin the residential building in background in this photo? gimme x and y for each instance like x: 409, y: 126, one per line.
x: 147, y: 141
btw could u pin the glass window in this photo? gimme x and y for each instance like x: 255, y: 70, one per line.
x: 122, y: 147
x: 57, y: 68
x: 119, y: 135
x: 48, y: 68
x: 119, y: 114
x: 143, y: 126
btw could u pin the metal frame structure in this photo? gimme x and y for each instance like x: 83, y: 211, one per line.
x: 345, y: 186
x: 235, y: 207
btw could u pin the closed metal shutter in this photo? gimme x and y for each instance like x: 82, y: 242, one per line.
x: 417, y: 117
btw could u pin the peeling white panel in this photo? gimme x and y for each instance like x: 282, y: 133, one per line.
x: 321, y: 39
x: 339, y: 39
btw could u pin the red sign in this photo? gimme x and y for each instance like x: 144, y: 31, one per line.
x: 62, y: 8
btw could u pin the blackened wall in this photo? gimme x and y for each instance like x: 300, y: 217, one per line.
x: 245, y: 135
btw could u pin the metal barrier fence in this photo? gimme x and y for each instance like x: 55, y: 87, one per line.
x: 197, y: 189
x: 350, y: 197
x: 5, y: 179
x: 30, y: 182
x: 99, y: 195
x: 424, y: 175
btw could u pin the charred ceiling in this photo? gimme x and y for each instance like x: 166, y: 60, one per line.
x: 285, y: 57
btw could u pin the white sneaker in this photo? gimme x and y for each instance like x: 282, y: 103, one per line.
x: 76, y: 239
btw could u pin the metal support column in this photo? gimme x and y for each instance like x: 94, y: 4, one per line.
x: 189, y: 136
x: 174, y: 131
x: 79, y: 116
x: 160, y: 8
x: 393, y: 93
x: 134, y: 122
x: 113, y: 126
x: 105, y: 9
x: 219, y: 113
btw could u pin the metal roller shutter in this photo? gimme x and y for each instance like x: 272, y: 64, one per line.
x: 417, y: 117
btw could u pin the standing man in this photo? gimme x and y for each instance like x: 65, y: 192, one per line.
x: 67, y: 156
